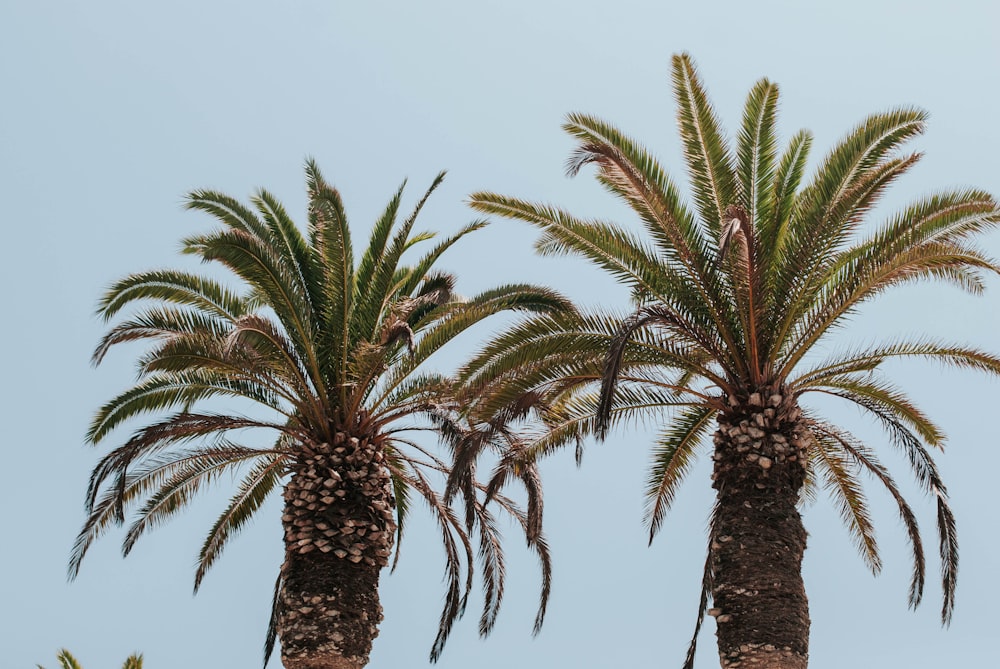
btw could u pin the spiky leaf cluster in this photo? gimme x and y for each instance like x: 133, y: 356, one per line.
x: 735, y: 289
x: 317, y: 340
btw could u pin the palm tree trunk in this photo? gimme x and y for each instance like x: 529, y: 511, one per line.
x: 339, y: 531
x: 758, y: 539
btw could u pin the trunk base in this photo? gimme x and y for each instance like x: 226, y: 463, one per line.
x: 320, y: 660
x: 765, y: 656
x: 330, y: 612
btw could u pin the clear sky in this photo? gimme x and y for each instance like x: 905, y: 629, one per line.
x: 111, y: 111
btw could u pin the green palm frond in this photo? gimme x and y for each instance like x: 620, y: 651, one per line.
x: 257, y: 263
x: 161, y: 323
x: 133, y: 662
x: 869, y: 392
x: 839, y: 474
x: 66, y: 660
x: 867, y: 459
x: 249, y: 497
x: 375, y: 251
x: 631, y: 173
x: 331, y: 238
x: 423, y: 266
x: 673, y: 456
x: 757, y: 152
x: 849, y: 176
x: 173, y: 495
x: 160, y: 391
x: 709, y: 164
x: 108, y: 510
x: 173, y: 287
x: 787, y: 179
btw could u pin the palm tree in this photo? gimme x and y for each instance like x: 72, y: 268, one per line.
x: 67, y: 661
x: 733, y: 297
x: 329, y: 356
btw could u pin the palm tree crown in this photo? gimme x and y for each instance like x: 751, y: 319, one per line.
x: 732, y: 294
x: 331, y: 353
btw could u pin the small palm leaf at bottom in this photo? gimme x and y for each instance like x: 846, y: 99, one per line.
x: 67, y: 661
x: 133, y: 662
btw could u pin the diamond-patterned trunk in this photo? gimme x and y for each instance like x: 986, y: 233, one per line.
x: 339, y: 531
x: 758, y: 539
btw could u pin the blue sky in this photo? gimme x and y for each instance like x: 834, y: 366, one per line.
x: 111, y: 111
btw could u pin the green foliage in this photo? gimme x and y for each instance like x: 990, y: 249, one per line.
x: 316, y: 344
x: 735, y: 291
x: 67, y: 661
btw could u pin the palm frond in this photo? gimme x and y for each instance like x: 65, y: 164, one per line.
x: 421, y: 269
x: 172, y: 287
x: 710, y: 166
x: 249, y: 497
x: 757, y: 152
x: 330, y: 236
x: 673, y: 456
x: 867, y: 459
x: 841, y: 482
x: 271, y: 636
x: 186, y: 478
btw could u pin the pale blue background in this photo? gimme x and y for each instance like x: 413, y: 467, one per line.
x: 111, y: 111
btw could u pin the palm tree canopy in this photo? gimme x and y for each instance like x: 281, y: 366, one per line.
x: 317, y: 340
x: 735, y: 291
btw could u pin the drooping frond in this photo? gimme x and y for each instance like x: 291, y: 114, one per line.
x: 707, y: 584
x: 271, y: 636
x: 249, y: 497
x: 173, y: 287
x: 173, y: 495
x: 451, y: 527
x: 841, y: 483
x: 867, y: 459
x: 885, y: 401
x: 152, y: 474
x: 615, y: 357
x: 927, y: 475
x: 161, y: 391
x: 673, y: 456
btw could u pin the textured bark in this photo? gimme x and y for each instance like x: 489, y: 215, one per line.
x: 339, y: 531
x: 758, y: 539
